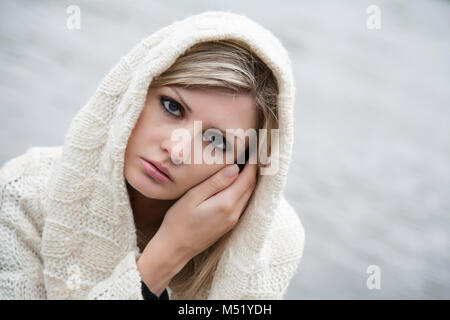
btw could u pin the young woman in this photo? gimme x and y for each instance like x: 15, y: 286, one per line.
x: 126, y: 209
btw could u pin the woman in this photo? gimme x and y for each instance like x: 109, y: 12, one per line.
x: 125, y: 211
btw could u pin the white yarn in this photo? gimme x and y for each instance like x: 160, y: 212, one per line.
x: 66, y: 225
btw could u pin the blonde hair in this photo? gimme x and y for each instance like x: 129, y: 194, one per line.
x: 231, y: 66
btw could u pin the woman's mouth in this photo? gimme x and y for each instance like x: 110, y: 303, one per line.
x: 154, y: 172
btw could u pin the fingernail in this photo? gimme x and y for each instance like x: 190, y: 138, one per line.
x: 231, y: 171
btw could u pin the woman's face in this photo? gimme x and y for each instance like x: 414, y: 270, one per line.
x: 167, y: 109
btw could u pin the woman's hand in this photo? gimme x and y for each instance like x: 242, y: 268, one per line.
x: 195, y: 222
x: 209, y: 210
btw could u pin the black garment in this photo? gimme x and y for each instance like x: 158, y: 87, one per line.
x: 148, y: 295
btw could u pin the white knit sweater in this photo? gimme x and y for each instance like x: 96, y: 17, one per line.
x: 66, y: 225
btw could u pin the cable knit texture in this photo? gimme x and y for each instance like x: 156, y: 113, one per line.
x: 66, y: 224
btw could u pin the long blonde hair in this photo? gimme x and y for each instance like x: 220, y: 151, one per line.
x: 228, y: 65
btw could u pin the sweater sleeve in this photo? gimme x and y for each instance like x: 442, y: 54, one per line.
x: 21, y: 227
x: 21, y: 266
x: 21, y: 275
x: 125, y: 284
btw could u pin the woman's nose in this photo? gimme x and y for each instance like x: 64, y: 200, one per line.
x: 179, y: 150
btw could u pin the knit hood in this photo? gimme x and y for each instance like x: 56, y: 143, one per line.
x: 89, y: 222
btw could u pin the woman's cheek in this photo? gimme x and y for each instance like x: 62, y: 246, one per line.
x: 203, y: 172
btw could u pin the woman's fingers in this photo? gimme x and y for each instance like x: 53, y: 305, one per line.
x: 244, y: 181
x: 214, y: 184
x: 229, y: 197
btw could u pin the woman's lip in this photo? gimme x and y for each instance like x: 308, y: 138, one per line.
x: 154, y: 172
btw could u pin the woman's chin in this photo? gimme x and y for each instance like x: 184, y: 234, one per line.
x: 154, y: 190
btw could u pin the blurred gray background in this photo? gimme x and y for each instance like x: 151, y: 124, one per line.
x: 370, y: 176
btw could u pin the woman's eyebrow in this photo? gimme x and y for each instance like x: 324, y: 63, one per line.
x: 190, y: 110
x: 181, y: 98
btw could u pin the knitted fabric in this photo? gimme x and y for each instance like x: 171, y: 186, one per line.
x: 66, y: 225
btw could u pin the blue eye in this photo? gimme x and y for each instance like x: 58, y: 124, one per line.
x: 217, y: 139
x: 174, y: 109
x: 170, y: 106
